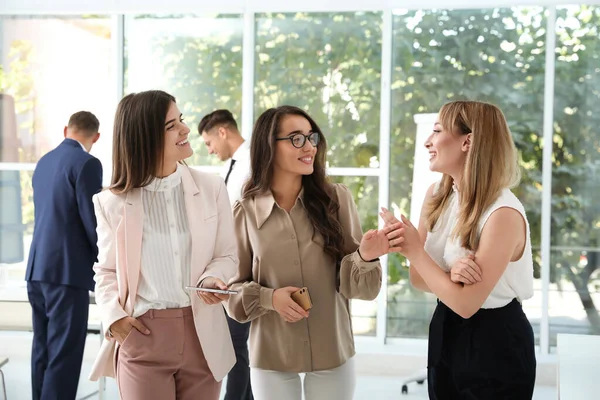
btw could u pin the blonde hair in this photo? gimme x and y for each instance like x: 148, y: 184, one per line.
x: 490, y: 167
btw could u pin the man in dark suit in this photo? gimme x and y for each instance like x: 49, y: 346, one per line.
x: 59, y: 270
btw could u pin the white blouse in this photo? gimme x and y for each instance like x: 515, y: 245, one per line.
x: 166, y: 247
x: 517, y: 279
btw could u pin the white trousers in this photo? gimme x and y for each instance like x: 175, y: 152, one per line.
x: 333, y: 384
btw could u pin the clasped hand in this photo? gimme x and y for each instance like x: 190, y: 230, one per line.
x: 404, y: 238
x: 376, y: 242
x: 402, y: 235
x: 465, y: 270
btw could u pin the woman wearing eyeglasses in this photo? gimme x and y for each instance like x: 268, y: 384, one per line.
x: 295, y: 229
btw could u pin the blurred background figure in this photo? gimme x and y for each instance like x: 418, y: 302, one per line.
x: 221, y: 136
x: 63, y: 251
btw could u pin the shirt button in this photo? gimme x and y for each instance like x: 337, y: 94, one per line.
x: 296, y: 262
x: 176, y: 253
x: 293, y: 237
x: 306, y: 342
x: 168, y: 201
x: 172, y: 225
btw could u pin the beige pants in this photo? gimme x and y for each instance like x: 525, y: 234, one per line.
x: 168, y: 363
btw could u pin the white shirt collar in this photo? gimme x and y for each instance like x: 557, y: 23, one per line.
x: 166, y: 183
x: 82, y: 146
x: 241, y: 152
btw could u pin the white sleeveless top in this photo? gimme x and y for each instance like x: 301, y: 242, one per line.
x: 517, y: 280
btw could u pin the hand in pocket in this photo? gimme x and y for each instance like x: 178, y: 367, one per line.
x: 120, y: 329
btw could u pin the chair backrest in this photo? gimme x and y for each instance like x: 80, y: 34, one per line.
x: 578, y: 366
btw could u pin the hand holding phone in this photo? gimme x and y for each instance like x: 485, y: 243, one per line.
x: 218, y: 293
x: 302, y: 298
x: 286, y: 307
x: 202, y: 289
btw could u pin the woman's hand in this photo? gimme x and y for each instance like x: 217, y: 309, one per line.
x: 388, y: 217
x: 405, y: 240
x: 373, y: 245
x: 212, y: 298
x: 287, y: 308
x: 376, y: 243
x: 392, y: 229
x: 121, y: 328
x: 466, y: 271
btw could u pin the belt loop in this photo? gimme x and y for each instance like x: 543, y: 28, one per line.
x: 151, y: 314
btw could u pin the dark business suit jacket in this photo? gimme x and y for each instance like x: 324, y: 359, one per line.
x: 63, y: 250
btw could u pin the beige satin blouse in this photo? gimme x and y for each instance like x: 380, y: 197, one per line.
x: 277, y: 249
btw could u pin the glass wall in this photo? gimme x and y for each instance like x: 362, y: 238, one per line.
x: 365, y: 190
x: 574, y: 294
x: 198, y: 59
x: 50, y: 68
x: 330, y: 64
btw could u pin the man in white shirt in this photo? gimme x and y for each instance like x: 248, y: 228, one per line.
x: 222, y: 137
x: 220, y: 133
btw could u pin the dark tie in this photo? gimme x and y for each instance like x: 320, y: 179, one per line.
x: 229, y: 172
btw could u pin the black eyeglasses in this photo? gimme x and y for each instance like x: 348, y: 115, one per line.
x: 299, y: 139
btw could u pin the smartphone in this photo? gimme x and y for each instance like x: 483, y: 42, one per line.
x: 302, y: 298
x: 220, y: 291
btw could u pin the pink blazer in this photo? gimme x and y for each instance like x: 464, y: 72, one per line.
x: 214, y: 253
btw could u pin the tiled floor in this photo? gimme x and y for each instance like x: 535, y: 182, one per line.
x: 17, y: 345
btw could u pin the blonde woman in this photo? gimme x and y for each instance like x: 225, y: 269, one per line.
x: 472, y: 250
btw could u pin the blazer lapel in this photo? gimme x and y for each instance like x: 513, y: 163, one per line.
x: 193, y: 211
x: 134, y: 219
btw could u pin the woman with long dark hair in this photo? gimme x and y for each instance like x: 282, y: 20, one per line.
x: 161, y: 227
x: 296, y: 230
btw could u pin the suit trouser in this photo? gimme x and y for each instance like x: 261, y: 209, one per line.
x: 166, y: 364
x: 490, y: 356
x: 238, y: 379
x: 60, y: 318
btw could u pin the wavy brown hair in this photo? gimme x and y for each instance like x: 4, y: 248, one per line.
x: 319, y: 198
x: 490, y: 167
x: 139, y: 139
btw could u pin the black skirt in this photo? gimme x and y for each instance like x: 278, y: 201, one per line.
x: 486, y: 357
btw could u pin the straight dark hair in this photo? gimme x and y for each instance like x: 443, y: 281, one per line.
x: 139, y: 139
x: 321, y: 204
